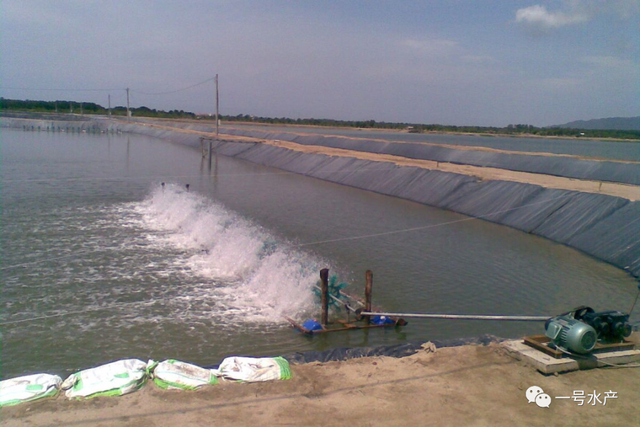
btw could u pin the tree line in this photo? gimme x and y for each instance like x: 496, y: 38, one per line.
x: 86, y: 108
x: 517, y: 129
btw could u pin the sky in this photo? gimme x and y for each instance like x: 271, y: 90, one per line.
x: 472, y: 62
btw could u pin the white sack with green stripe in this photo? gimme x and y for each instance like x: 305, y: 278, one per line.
x: 28, y: 388
x: 250, y: 369
x: 173, y: 374
x: 113, y: 379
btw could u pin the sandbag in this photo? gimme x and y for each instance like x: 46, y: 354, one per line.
x: 28, y: 388
x: 251, y: 369
x: 113, y: 379
x: 173, y: 374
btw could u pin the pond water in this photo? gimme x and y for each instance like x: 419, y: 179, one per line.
x: 99, y: 261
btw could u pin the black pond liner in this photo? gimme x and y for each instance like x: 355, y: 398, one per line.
x: 396, y: 350
x: 565, y: 166
x: 605, y: 227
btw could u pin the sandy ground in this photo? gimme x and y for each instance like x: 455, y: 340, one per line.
x: 452, y: 146
x: 626, y: 191
x: 466, y: 386
x: 630, y: 192
x: 479, y: 148
x: 397, y: 131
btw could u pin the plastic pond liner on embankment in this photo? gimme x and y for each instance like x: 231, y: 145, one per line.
x: 604, y: 226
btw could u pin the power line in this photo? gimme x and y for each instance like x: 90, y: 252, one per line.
x: 65, y: 313
x: 176, y: 90
x: 366, y: 236
x: 136, y: 178
x: 424, y: 227
x: 167, y: 177
x: 306, y: 244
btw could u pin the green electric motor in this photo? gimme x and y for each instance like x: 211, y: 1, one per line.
x: 571, y: 334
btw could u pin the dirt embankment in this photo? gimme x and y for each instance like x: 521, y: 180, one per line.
x: 626, y: 191
x: 465, y: 386
x: 402, y: 131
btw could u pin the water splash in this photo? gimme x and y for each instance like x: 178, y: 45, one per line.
x: 241, y: 268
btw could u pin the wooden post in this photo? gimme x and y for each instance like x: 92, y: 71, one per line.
x: 324, y: 294
x: 367, y: 294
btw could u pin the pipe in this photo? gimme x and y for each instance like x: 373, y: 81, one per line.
x: 459, y: 316
x: 442, y: 316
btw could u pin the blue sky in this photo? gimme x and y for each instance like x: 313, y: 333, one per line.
x: 448, y: 62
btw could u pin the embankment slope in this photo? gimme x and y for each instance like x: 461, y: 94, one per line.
x: 588, y: 204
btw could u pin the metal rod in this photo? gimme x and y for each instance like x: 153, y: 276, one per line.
x: 352, y: 298
x: 338, y: 300
x: 459, y: 316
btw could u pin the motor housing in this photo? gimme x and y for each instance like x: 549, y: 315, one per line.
x: 571, y: 334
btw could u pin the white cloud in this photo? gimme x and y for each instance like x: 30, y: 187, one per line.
x: 538, y: 18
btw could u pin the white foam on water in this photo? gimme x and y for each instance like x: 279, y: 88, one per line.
x: 236, y: 267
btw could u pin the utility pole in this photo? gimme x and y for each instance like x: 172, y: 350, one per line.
x: 56, y: 106
x: 71, y: 107
x: 217, y: 108
x: 128, y: 112
x: 109, y: 104
x: 81, y: 112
